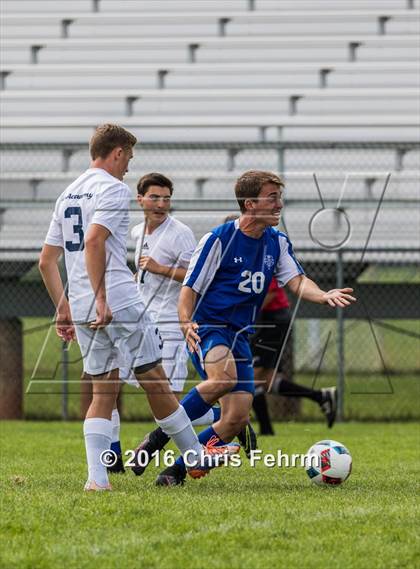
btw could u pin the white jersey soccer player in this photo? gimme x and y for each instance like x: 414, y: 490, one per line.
x: 95, y: 197
x: 171, y: 244
x: 90, y: 224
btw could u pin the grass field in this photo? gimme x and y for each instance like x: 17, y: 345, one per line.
x: 236, y: 517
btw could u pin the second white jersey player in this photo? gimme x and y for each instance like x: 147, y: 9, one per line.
x: 172, y: 245
x: 164, y: 247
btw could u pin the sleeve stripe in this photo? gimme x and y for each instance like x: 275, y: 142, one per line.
x: 292, y: 254
x: 203, y: 263
x: 288, y: 266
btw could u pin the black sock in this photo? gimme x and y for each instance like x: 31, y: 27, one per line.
x: 159, y: 438
x: 290, y: 389
x: 261, y: 411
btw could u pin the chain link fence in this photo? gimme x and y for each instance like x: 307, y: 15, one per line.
x: 351, y: 211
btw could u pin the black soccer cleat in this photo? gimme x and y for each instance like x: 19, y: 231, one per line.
x: 172, y: 476
x: 248, y: 439
x: 329, y: 404
x: 118, y: 467
x: 152, y: 442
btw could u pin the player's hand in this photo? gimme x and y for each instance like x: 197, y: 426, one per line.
x: 149, y: 264
x: 64, y: 325
x: 103, y: 315
x: 189, y: 329
x: 339, y: 297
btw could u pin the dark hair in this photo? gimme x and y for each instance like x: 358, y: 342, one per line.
x: 153, y: 179
x: 109, y: 136
x: 249, y: 185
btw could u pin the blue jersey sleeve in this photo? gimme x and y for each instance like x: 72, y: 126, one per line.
x: 204, y: 263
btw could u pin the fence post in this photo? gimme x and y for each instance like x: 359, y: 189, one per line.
x: 11, y: 369
x: 64, y: 382
x: 340, y: 340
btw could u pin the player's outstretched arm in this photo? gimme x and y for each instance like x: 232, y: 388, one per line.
x: 95, y: 257
x: 186, y: 304
x: 48, y: 267
x: 307, y: 289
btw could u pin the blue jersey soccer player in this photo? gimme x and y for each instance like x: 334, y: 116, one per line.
x: 227, y: 280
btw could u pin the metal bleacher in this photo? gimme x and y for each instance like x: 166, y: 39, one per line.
x: 189, y: 72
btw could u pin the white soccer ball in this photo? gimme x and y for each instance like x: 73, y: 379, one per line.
x: 331, y: 464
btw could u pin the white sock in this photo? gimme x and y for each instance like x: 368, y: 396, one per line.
x: 206, y: 419
x: 97, y: 432
x: 178, y: 427
x: 115, y: 419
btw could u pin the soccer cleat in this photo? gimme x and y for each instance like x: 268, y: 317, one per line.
x: 172, y: 476
x: 91, y: 486
x: 248, y: 439
x: 212, y: 457
x: 152, y: 442
x: 329, y: 404
x: 118, y: 467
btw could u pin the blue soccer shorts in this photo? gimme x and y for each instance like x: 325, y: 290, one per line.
x: 238, y: 344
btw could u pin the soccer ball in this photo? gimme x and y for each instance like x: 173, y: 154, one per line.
x: 332, y: 465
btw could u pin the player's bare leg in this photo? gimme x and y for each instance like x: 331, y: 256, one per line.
x: 221, y: 374
x: 235, y: 414
x: 162, y: 400
x: 105, y: 389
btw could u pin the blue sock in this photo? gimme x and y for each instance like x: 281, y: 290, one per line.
x: 209, y: 418
x: 116, y: 447
x: 204, y: 438
x: 217, y: 411
x: 194, y: 404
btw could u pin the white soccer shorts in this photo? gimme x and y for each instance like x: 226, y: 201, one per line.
x: 130, y: 340
x: 174, y: 357
x: 174, y: 360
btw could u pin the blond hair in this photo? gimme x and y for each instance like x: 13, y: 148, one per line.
x: 109, y: 136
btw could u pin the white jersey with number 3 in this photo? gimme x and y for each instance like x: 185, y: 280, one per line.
x: 94, y: 197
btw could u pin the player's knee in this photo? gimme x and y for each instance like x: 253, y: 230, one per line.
x: 153, y: 379
x: 223, y: 384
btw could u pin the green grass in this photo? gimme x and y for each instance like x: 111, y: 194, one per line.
x: 378, y: 273
x: 236, y: 517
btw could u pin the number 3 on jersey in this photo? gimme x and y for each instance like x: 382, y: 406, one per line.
x: 253, y: 282
x: 74, y: 244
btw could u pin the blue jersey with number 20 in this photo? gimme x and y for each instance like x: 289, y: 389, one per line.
x: 231, y: 273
